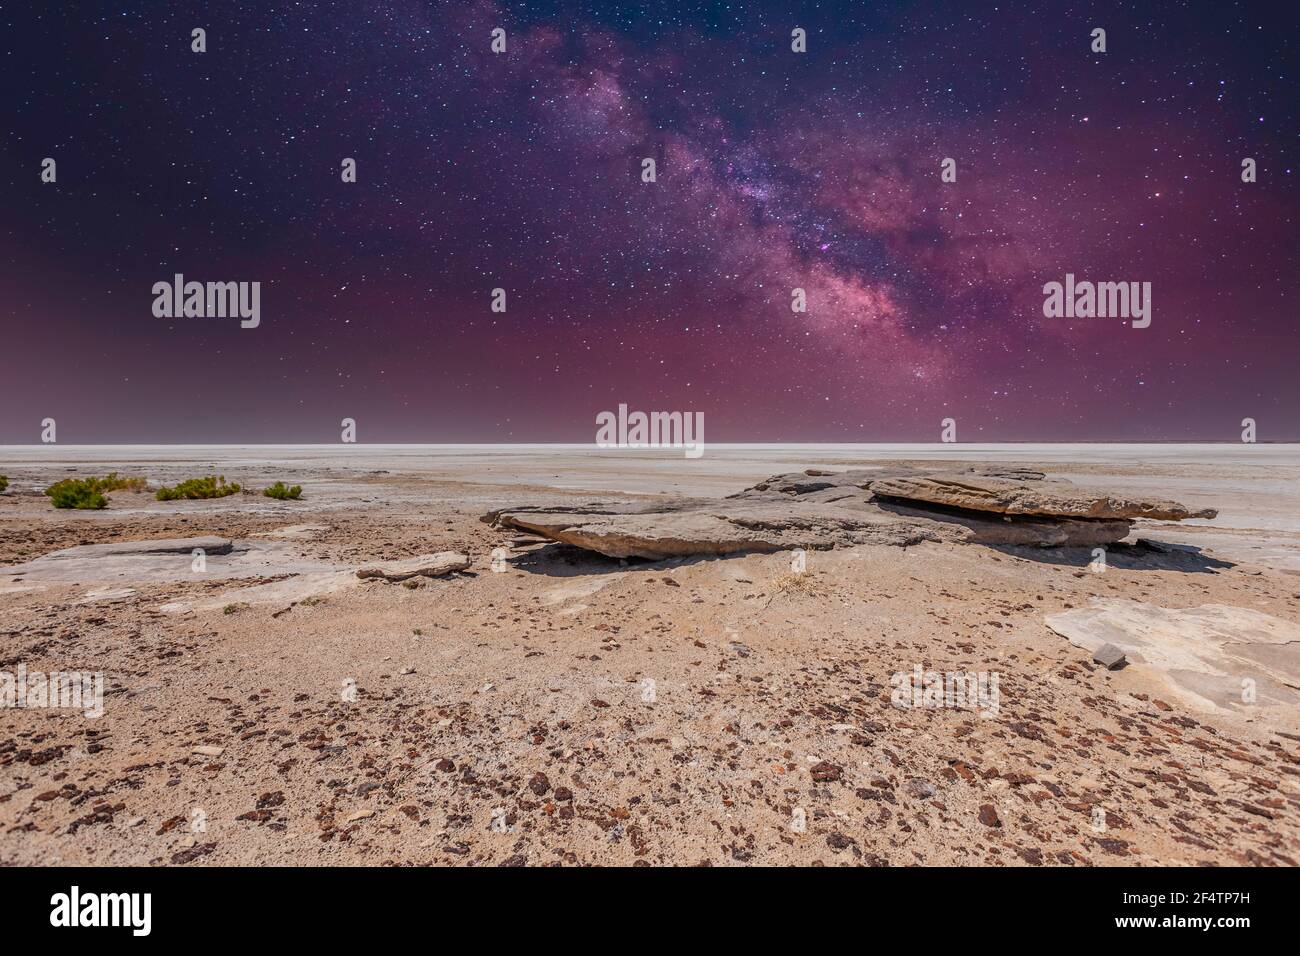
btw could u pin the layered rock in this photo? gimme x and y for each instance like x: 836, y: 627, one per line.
x: 730, y: 527
x: 694, y: 527
x: 1047, y: 499
x: 816, y: 510
x: 817, y: 485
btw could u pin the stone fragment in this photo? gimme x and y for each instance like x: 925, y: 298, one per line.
x: 825, y: 772
x: 919, y: 788
x: 1109, y: 656
x: 425, y: 565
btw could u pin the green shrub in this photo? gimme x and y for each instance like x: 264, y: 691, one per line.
x: 115, y: 482
x: 76, y: 493
x: 208, y: 487
x: 281, y: 493
x: 90, y: 492
x: 4, y: 482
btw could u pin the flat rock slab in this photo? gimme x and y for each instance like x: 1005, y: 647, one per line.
x: 1204, y: 653
x: 426, y: 565
x: 581, y: 587
x: 1233, y: 545
x: 289, y: 591
x: 107, y: 595
x: 209, y: 544
x: 163, y: 560
x: 1049, y: 499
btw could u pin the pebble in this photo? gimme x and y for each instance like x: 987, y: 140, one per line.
x: 921, y: 789
x: 826, y: 772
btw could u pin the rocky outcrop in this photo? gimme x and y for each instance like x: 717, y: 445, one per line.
x: 1055, y: 499
x: 732, y: 526
x: 425, y: 565
x: 816, y: 510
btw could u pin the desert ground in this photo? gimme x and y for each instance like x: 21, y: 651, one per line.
x: 568, y: 708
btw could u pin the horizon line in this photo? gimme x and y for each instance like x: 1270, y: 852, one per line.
x: 594, y: 447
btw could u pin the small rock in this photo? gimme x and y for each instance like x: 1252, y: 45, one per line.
x: 989, y: 816
x: 921, y: 789
x: 426, y: 565
x: 838, y: 841
x: 1110, y: 657
x: 825, y: 772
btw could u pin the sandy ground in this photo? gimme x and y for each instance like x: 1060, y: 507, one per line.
x: 575, y: 709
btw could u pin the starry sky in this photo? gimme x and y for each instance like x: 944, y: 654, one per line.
x: 775, y: 170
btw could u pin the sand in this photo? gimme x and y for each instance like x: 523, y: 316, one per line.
x: 272, y: 709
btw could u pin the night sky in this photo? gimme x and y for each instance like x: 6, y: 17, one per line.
x: 522, y: 171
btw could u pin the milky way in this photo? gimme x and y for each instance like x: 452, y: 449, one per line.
x: 776, y: 170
